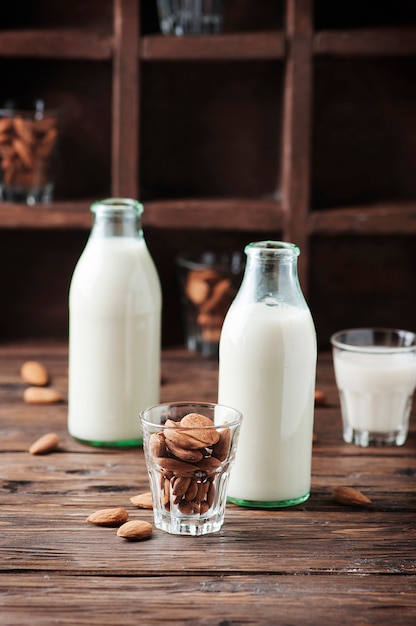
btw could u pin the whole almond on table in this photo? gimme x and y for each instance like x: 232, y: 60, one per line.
x: 136, y: 530
x: 34, y: 373
x: 46, y: 443
x: 41, y: 395
x: 320, y: 397
x: 143, y: 500
x: 108, y: 517
x: 349, y: 496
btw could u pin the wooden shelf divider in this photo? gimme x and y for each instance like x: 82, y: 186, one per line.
x: 227, y: 214
x: 56, y: 44
x: 366, y: 42
x: 375, y: 219
x: 229, y: 47
x: 255, y: 130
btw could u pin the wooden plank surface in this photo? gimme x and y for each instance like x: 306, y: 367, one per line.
x: 386, y: 218
x: 126, y: 101
x: 227, y: 47
x: 385, y: 42
x: 296, y: 140
x: 224, y: 600
x: 56, y: 44
x: 315, y: 561
x: 259, y: 214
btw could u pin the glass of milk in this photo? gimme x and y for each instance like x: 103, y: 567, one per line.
x: 375, y: 371
x: 189, y: 449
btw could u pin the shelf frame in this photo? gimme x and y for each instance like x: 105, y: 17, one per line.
x: 296, y: 46
x: 56, y: 44
x: 126, y: 110
x: 383, y: 218
x: 373, y: 42
x: 227, y: 47
x: 297, y: 130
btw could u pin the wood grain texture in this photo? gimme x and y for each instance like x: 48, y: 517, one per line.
x: 56, y: 44
x: 377, y: 218
x: 198, y: 600
x: 297, y: 130
x: 319, y: 560
x: 125, y: 100
x: 242, y: 46
x: 399, y: 41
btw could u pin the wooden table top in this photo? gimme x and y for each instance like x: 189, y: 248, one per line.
x: 316, y: 563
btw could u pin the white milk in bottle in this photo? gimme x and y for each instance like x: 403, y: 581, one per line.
x: 267, y: 364
x: 114, y: 329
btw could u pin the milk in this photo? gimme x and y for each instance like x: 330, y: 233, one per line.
x: 267, y: 371
x: 376, y: 388
x: 114, y: 338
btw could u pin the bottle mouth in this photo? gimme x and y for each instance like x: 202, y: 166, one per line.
x: 270, y: 249
x: 118, y: 206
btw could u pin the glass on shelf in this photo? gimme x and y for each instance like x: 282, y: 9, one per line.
x: 190, y: 17
x: 28, y: 142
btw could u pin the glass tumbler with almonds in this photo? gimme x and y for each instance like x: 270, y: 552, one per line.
x: 28, y: 142
x: 189, y: 449
x: 209, y: 281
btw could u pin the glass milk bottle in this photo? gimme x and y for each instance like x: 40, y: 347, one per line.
x: 114, y: 329
x: 267, y: 364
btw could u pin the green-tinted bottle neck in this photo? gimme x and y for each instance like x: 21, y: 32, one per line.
x: 117, y: 217
x: 271, y: 274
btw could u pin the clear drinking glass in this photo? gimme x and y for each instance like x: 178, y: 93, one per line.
x: 189, y: 449
x: 190, y: 17
x: 209, y: 282
x: 28, y: 154
x: 375, y: 371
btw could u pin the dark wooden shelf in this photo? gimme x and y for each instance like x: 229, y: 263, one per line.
x: 238, y: 47
x: 56, y: 44
x: 297, y: 122
x: 366, y: 42
x: 224, y: 214
x: 254, y: 214
x: 382, y: 218
x: 57, y: 215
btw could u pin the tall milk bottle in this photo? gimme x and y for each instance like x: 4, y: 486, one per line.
x: 267, y: 366
x: 114, y: 329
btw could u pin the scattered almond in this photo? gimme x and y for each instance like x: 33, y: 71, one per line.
x: 320, y: 397
x: 350, y: 496
x: 137, y: 530
x: 143, y: 500
x: 46, y: 443
x: 34, y: 373
x: 41, y: 395
x: 108, y: 517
